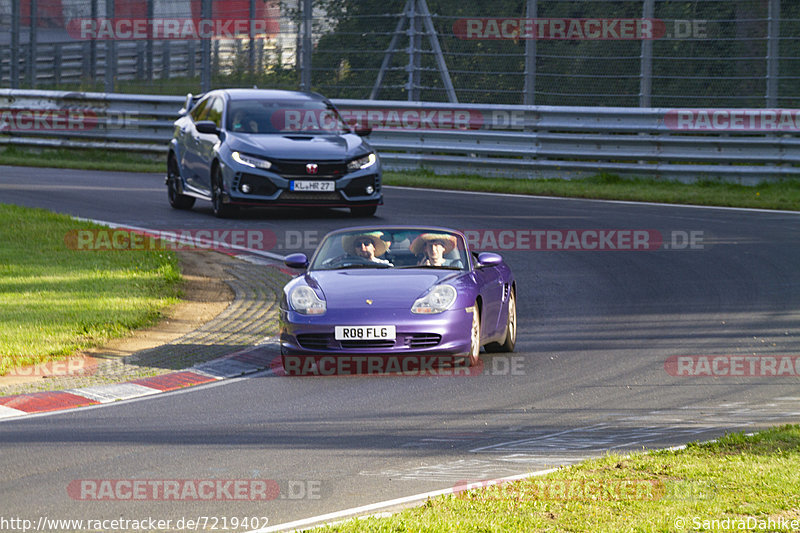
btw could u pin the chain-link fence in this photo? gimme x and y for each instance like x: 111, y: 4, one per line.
x: 650, y: 53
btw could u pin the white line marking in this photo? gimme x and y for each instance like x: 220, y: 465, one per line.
x: 349, y: 513
x: 114, y: 392
x: 10, y: 412
x: 184, y: 390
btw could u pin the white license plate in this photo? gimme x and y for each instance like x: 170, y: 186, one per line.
x: 313, y: 186
x: 363, y: 333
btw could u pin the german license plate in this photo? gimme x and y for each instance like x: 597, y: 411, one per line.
x: 363, y: 333
x: 313, y: 186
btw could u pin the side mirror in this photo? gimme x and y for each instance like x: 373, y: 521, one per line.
x: 296, y: 261
x: 489, y: 259
x: 363, y: 131
x: 207, y: 126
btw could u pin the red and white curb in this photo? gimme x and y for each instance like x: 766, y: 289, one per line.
x: 248, y: 361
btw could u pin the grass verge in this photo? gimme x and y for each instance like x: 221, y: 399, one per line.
x: 90, y: 159
x: 55, y: 301
x: 779, y: 195
x: 739, y: 482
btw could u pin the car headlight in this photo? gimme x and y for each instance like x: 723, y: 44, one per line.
x: 306, y: 302
x: 251, y: 161
x: 439, y: 299
x: 362, y: 162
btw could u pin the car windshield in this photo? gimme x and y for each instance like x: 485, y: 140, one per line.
x: 283, y: 116
x: 391, y: 248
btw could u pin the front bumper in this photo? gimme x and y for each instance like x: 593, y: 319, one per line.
x: 360, y: 188
x: 446, y: 333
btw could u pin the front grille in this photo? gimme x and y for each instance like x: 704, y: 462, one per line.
x: 368, y: 344
x: 423, y: 340
x: 314, y: 341
x: 358, y: 186
x: 298, y: 169
x: 259, y: 186
x: 300, y: 196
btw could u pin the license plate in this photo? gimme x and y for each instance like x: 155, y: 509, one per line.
x: 363, y: 333
x: 313, y: 186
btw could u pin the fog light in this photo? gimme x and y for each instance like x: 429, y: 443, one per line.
x: 245, y: 188
x: 370, y: 189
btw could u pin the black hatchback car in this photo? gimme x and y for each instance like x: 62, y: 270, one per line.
x: 258, y: 147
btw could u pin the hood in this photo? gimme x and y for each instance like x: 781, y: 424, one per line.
x: 387, y: 289
x: 299, y: 146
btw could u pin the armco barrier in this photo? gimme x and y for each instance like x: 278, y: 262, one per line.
x: 746, y: 146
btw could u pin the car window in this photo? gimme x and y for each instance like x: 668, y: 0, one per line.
x: 215, y: 111
x: 284, y: 116
x: 200, y: 110
x: 391, y: 248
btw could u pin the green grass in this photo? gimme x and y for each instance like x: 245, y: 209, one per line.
x: 55, y: 300
x: 778, y: 195
x: 739, y: 478
x: 83, y: 159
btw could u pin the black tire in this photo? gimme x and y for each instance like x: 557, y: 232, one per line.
x: 363, y: 210
x: 176, y: 199
x: 510, y: 341
x: 221, y: 210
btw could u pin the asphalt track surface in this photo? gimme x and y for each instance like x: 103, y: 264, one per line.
x: 591, y: 372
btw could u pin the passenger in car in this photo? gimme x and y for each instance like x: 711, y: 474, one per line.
x: 433, y: 247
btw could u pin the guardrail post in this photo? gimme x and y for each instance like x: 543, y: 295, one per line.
x: 529, y: 91
x: 305, y: 56
x: 773, y: 51
x: 148, y: 52
x: 13, y: 67
x: 30, y: 63
x: 92, y: 68
x: 251, y: 51
x: 646, y: 75
x: 205, y: 69
x: 111, y: 55
x: 166, y: 59
x: 57, y: 57
x: 414, y: 45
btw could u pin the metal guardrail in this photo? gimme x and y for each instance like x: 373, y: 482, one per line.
x: 494, y: 140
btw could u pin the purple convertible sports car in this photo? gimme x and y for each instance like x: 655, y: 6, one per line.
x: 401, y: 291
